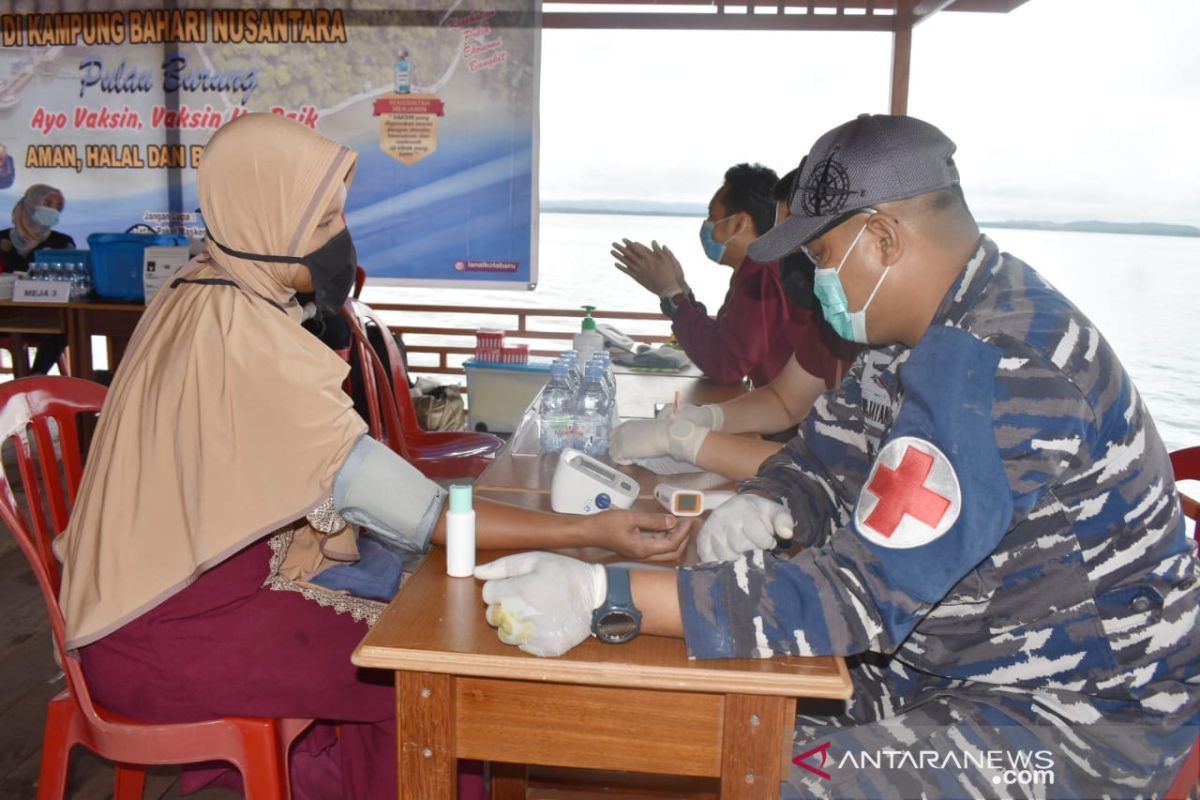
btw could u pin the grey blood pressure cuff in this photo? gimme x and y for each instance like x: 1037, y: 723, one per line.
x: 379, y: 490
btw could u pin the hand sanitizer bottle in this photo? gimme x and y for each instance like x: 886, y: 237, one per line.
x: 588, y: 340
x: 403, y: 70
x: 460, y: 533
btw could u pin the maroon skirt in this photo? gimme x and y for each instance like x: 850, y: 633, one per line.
x: 228, y: 646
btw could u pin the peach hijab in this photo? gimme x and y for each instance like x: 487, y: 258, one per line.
x: 226, y: 419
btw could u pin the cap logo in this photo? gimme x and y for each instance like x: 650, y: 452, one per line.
x: 827, y: 190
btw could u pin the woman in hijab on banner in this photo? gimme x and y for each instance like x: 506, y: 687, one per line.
x: 34, y: 217
x: 226, y: 465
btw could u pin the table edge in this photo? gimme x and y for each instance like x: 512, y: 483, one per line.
x: 693, y: 679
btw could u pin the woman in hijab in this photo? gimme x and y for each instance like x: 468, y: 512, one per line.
x: 226, y: 463
x: 34, y: 217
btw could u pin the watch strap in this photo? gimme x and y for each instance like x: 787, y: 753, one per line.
x: 670, y: 303
x: 620, y: 593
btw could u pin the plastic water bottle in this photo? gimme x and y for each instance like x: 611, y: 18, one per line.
x: 610, y: 377
x: 555, y: 419
x: 592, y: 420
x: 574, y: 370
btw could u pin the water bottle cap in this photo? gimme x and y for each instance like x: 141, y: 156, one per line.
x: 460, y: 497
x: 593, y: 370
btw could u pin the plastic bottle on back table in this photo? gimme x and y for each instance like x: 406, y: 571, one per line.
x: 588, y: 340
x: 555, y: 417
x: 574, y: 370
x: 592, y: 415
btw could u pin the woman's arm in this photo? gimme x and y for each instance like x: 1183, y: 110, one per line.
x: 378, y: 489
x: 633, y: 534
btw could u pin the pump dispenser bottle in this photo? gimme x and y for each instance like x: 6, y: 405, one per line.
x: 460, y: 533
x: 588, y: 340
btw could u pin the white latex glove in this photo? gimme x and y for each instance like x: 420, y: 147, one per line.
x: 651, y: 438
x: 542, y: 602
x: 709, y: 416
x: 746, y: 522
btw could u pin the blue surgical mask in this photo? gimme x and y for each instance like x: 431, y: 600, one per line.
x: 712, y: 248
x: 45, y: 216
x: 827, y: 286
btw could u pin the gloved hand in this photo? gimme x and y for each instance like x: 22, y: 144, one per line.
x: 709, y: 416
x: 650, y: 438
x: 746, y: 522
x: 542, y: 602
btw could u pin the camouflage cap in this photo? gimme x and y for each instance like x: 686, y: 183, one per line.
x: 875, y: 158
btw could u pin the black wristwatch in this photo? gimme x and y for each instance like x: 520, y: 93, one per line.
x: 617, y: 621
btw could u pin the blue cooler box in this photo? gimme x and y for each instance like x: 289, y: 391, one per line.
x: 118, y: 258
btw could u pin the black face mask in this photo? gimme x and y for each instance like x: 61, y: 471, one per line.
x: 333, y: 266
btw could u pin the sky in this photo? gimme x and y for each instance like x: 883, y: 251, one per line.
x: 1062, y: 109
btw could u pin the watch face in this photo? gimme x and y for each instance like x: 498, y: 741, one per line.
x: 617, y: 626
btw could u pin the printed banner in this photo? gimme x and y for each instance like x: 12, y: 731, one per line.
x: 112, y: 104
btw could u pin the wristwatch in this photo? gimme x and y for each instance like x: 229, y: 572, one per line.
x: 617, y: 621
x: 670, y: 304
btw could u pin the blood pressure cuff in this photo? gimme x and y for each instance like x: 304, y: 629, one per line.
x: 379, y: 490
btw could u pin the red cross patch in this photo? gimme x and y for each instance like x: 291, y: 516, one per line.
x: 911, y: 497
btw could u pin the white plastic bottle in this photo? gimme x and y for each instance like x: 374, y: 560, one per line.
x: 588, y: 340
x: 460, y: 533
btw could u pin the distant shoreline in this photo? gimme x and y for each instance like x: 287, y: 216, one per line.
x: 686, y: 210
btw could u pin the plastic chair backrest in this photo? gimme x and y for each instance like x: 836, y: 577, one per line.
x: 360, y: 279
x: 27, y: 407
x: 397, y: 370
x: 1186, y: 465
x: 384, y: 416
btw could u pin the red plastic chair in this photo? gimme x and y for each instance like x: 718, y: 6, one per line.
x: 1186, y: 465
x: 360, y: 279
x: 392, y: 418
x: 257, y: 747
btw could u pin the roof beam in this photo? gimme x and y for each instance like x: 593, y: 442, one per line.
x: 757, y: 21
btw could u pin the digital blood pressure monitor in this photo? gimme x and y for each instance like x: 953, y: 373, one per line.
x: 583, y: 485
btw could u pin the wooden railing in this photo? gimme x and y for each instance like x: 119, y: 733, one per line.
x: 439, y: 338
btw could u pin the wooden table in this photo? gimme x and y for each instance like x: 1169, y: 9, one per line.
x: 80, y: 321
x: 640, y: 707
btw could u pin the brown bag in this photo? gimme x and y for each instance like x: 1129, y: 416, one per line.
x: 439, y: 408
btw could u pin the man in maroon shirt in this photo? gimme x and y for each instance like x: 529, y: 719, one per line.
x: 712, y: 436
x: 757, y: 329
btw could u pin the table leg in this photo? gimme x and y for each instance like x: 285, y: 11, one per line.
x: 19, y: 356
x: 79, y: 345
x: 756, y: 744
x: 509, y: 781
x: 426, y: 737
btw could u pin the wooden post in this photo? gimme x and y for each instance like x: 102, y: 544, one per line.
x: 901, y: 56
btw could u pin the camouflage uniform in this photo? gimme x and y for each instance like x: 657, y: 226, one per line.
x: 989, y: 527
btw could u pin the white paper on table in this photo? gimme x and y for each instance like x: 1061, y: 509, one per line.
x: 665, y: 465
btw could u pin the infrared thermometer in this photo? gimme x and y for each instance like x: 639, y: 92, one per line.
x: 689, y: 502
